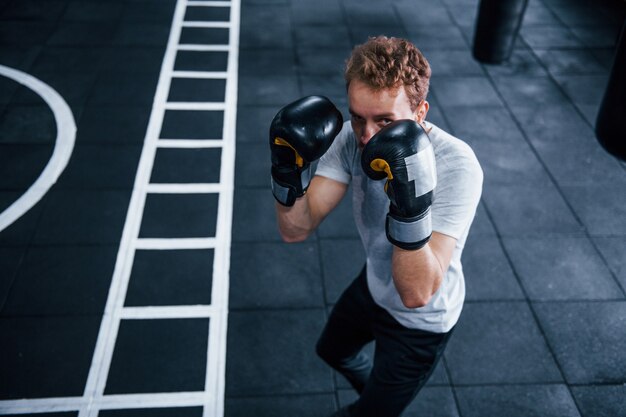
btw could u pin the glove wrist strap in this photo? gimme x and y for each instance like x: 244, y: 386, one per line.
x: 286, y: 193
x: 409, y: 233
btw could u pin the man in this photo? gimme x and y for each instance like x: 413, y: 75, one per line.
x: 413, y: 225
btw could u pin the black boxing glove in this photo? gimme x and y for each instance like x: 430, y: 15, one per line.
x: 402, y: 153
x: 300, y: 133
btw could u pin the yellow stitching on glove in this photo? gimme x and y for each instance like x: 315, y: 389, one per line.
x: 283, y: 142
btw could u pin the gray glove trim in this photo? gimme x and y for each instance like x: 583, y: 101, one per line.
x: 281, y: 193
x: 305, y: 178
x: 409, y: 233
x: 286, y: 194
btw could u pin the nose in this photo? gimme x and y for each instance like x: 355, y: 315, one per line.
x: 367, y: 133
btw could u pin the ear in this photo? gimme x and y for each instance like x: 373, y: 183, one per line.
x: 422, y: 111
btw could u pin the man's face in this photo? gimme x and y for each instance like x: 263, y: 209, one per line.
x: 371, y: 110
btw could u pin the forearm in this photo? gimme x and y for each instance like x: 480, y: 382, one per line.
x: 295, y: 223
x: 417, y: 274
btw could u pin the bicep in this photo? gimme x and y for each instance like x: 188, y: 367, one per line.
x: 324, y: 194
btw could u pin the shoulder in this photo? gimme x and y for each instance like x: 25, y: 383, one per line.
x: 337, y: 163
x: 453, y: 154
x: 459, y: 183
x: 344, y: 142
x: 346, y: 135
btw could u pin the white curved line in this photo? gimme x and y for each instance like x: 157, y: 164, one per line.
x: 66, y: 136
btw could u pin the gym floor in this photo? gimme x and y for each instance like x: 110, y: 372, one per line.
x: 141, y: 272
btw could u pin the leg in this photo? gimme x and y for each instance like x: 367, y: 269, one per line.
x: 404, y: 360
x: 347, y: 331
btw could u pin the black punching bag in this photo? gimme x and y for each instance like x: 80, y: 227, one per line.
x: 611, y: 121
x: 496, y: 29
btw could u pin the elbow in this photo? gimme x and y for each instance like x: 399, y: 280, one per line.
x: 290, y: 234
x: 416, y: 297
x: 415, y: 300
x: 292, y: 238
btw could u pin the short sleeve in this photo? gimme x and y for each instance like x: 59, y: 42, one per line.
x: 458, y: 190
x: 336, y: 163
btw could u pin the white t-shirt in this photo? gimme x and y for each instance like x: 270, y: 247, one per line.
x: 455, y: 198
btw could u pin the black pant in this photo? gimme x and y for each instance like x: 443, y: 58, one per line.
x: 403, y: 359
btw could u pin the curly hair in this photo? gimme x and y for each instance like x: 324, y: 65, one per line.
x: 383, y: 63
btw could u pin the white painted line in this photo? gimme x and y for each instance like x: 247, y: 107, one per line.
x: 209, y: 3
x: 101, y: 362
x: 212, y: 398
x: 178, y: 243
x: 202, y: 106
x: 211, y: 25
x: 107, y: 402
x: 204, y: 48
x: 190, y: 143
x: 215, y: 384
x: 42, y: 405
x: 168, y: 312
x: 63, y: 147
x: 200, y: 74
x: 197, y: 188
x: 152, y: 400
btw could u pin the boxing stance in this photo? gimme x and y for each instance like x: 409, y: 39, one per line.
x: 415, y: 192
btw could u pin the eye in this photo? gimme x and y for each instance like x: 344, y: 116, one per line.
x: 356, y: 118
x: 385, y: 121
